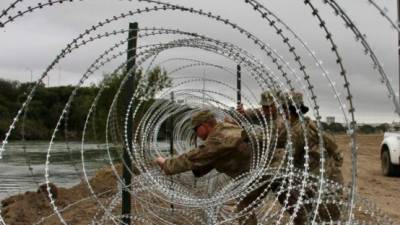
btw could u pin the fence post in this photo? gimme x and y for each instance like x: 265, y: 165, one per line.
x: 127, y: 162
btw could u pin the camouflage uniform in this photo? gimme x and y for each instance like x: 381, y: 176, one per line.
x: 220, y: 151
x: 275, y: 127
x: 333, y: 157
x: 223, y: 150
x: 333, y: 162
x: 273, y: 122
x: 276, y: 155
x: 273, y: 158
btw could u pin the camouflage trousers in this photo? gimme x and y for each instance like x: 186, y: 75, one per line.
x: 326, y: 212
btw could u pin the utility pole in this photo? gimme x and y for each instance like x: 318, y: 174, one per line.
x: 130, y: 88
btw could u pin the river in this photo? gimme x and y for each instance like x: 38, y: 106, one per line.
x: 23, y: 165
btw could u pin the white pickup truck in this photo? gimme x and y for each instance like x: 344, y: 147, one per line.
x: 390, y: 154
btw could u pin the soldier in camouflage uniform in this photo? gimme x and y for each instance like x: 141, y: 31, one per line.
x: 223, y: 150
x: 333, y: 157
x: 269, y: 128
x: 219, y: 151
x: 265, y: 132
x: 275, y: 155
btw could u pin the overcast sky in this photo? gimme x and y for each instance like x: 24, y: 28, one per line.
x: 30, y: 43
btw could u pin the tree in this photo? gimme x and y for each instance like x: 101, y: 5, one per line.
x: 382, y: 127
x: 366, y: 129
x: 336, y: 128
x: 147, y: 86
x: 154, y: 81
x: 324, y: 125
x: 47, y: 104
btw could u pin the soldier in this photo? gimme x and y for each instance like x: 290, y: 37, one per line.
x: 219, y: 151
x: 223, y: 150
x: 333, y: 157
x: 269, y: 129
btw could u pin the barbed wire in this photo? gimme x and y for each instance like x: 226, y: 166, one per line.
x: 214, y: 198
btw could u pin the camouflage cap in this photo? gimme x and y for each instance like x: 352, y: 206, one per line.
x: 201, y: 117
x: 267, y: 98
x: 292, y: 98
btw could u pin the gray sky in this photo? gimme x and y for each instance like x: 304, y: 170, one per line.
x: 31, y: 43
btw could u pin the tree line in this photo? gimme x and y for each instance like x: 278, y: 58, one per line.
x: 338, y: 128
x: 48, y: 102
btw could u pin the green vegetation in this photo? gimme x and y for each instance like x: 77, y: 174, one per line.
x: 338, y: 128
x: 334, y: 127
x: 47, y: 104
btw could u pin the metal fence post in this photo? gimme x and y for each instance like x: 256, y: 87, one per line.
x: 127, y: 162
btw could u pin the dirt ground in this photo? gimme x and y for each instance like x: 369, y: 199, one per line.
x: 34, y: 208
x: 383, y: 191
x: 31, y: 207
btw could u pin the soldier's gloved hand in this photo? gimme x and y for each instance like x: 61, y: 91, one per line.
x: 160, y: 161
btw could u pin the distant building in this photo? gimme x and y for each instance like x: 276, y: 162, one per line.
x: 330, y: 119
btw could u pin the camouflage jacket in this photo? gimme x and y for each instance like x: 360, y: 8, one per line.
x: 263, y: 139
x: 220, y: 151
x: 273, y: 125
x: 333, y: 156
x: 254, y: 115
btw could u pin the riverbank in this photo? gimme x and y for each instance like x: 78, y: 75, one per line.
x: 32, y: 207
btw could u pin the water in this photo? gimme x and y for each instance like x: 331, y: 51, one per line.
x: 23, y: 165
